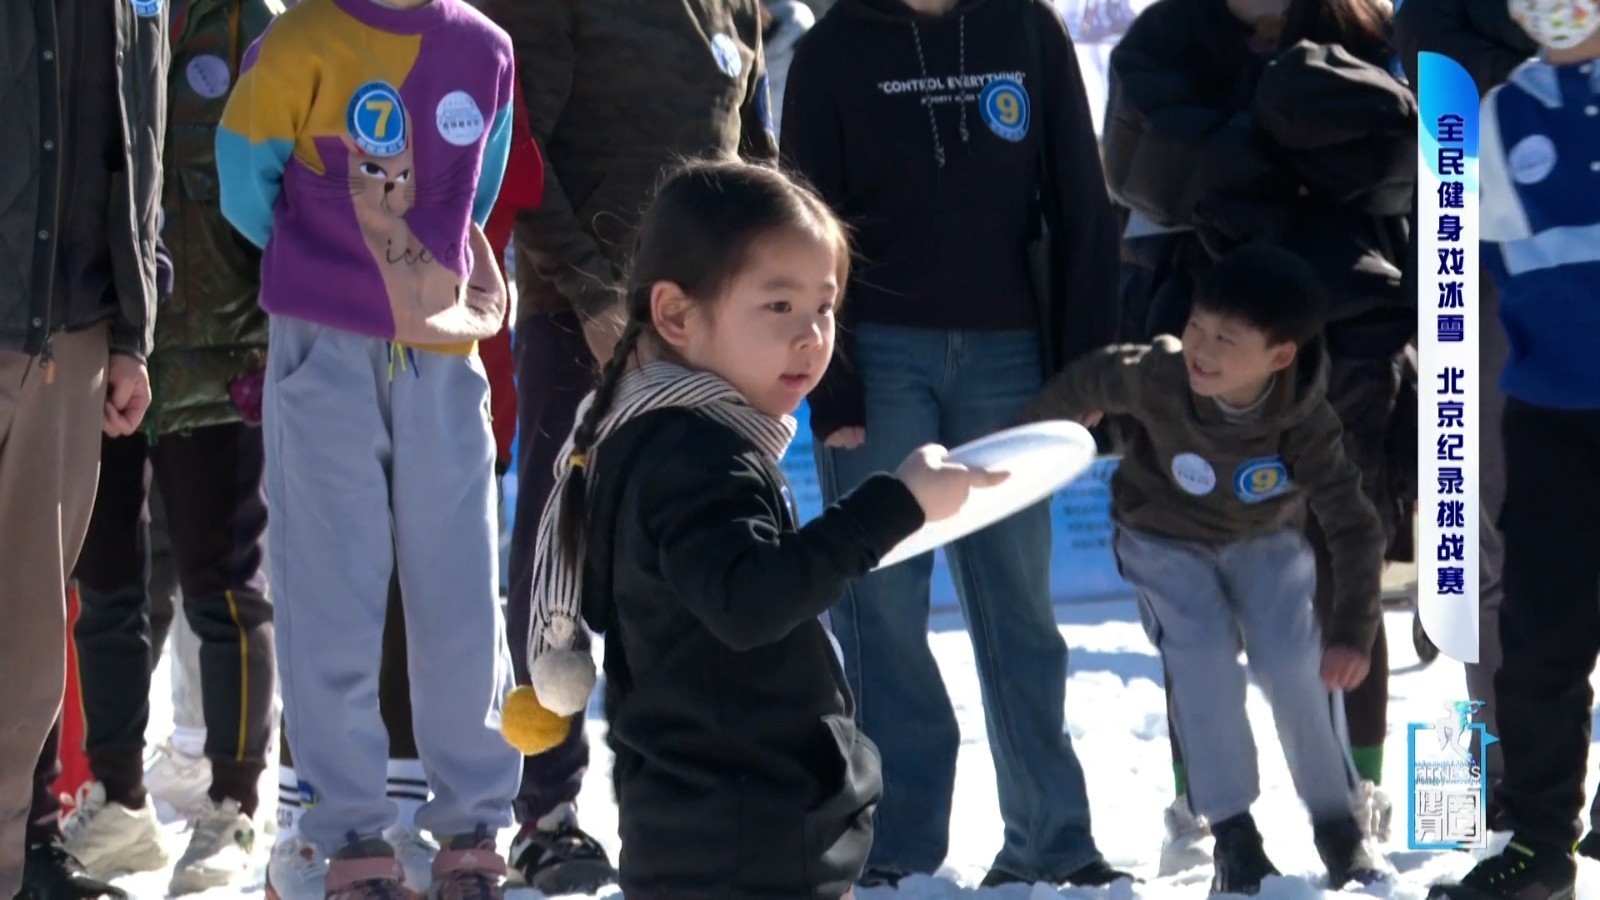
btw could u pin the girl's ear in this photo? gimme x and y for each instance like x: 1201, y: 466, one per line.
x: 670, y: 313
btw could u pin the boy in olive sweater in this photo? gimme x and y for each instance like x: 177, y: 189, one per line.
x: 1233, y: 435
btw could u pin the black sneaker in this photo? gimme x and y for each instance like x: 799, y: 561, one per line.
x: 1590, y: 845
x: 51, y: 873
x: 1349, y: 855
x: 563, y: 861
x: 1095, y: 874
x: 1522, y: 871
x: 1241, y: 862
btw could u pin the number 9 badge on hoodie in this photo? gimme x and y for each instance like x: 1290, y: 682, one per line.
x: 1004, y: 107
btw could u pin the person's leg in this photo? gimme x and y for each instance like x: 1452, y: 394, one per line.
x: 1362, y: 391
x: 1492, y: 350
x: 1186, y: 612
x: 163, y: 602
x: 554, y: 373
x: 49, y: 451
x: 52, y: 872
x: 217, y: 516
x: 881, y: 622
x: 113, y: 629
x: 1550, y: 620
x: 446, y: 545
x: 331, y: 551
x: 408, y: 781
x: 1002, y: 577
x: 1270, y: 580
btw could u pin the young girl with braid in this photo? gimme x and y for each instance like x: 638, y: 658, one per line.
x: 672, y: 531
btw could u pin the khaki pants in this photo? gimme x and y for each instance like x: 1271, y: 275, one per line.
x: 49, y: 455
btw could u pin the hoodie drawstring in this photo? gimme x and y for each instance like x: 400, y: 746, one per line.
x: 961, y: 87
x: 406, y: 356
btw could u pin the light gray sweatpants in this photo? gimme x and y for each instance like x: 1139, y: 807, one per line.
x: 374, y: 451
x: 1196, y: 601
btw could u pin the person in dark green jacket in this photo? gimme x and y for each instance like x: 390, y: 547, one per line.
x: 202, y: 444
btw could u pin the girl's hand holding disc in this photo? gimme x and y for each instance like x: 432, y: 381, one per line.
x: 940, y: 486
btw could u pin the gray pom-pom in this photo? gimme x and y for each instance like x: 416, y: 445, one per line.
x: 563, y: 680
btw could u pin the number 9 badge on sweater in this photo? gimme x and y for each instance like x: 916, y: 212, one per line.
x: 1004, y: 107
x: 1261, y: 479
x: 376, y: 119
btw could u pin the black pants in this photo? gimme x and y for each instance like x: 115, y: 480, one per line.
x: 554, y: 372
x: 1549, y: 618
x: 211, y: 481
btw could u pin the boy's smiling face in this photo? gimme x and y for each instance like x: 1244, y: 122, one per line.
x: 1230, y: 358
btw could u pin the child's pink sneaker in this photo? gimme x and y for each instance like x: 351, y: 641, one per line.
x: 469, y: 868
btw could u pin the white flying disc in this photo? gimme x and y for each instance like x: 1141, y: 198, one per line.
x: 1042, y: 458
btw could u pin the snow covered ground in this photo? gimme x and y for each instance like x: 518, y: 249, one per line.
x: 1114, y: 709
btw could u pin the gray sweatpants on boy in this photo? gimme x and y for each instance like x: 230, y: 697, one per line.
x: 1196, y: 601
x: 374, y: 450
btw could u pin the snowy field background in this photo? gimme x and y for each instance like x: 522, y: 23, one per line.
x: 1115, y: 714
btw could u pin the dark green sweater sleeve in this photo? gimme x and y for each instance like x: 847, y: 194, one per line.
x: 1314, y: 453
x: 729, y: 560
x: 1109, y: 380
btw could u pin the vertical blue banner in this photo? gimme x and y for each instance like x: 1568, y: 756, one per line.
x: 1447, y: 355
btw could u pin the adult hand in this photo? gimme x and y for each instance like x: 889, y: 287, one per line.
x: 846, y: 438
x: 940, y: 486
x: 127, y: 395
x: 1344, y: 668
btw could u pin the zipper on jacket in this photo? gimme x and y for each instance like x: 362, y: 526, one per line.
x: 47, y: 358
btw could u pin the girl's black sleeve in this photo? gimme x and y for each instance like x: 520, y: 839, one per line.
x: 727, y: 558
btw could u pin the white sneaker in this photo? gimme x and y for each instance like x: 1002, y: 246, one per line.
x: 220, y: 852
x: 1188, y: 842
x: 416, y: 852
x: 296, y: 872
x: 111, y: 839
x: 1374, y: 812
x: 179, y: 780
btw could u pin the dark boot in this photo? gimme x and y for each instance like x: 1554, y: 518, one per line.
x: 564, y: 860
x: 1240, y: 860
x: 51, y: 873
x: 1349, y: 855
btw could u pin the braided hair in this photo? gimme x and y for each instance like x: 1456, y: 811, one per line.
x: 695, y: 234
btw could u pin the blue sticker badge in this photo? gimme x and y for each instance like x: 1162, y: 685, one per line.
x: 147, y: 9
x: 1261, y: 479
x: 376, y: 119
x: 1004, y: 107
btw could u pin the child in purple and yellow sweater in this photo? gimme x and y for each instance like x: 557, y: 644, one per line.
x: 363, y: 149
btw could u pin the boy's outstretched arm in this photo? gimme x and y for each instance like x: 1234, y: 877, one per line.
x: 1314, y: 454
x: 1110, y: 380
x: 264, y: 116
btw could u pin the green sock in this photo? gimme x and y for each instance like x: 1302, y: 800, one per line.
x: 1180, y: 779
x: 1369, y: 763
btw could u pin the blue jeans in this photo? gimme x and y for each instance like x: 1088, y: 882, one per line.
x: 932, y: 386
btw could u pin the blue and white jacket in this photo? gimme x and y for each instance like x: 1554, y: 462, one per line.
x: 1539, y: 183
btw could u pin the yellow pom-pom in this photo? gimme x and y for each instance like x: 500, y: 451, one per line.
x: 528, y: 726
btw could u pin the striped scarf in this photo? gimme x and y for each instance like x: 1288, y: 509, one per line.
x: 557, y: 587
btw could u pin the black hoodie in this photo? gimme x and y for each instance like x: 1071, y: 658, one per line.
x: 922, y: 133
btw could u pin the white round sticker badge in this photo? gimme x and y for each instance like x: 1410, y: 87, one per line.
x: 1193, y: 474
x: 727, y: 54
x: 209, y: 76
x: 459, y: 119
x: 1532, y: 159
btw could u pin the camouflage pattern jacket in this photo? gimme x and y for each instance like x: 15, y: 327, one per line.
x: 211, y: 336
x: 616, y: 91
